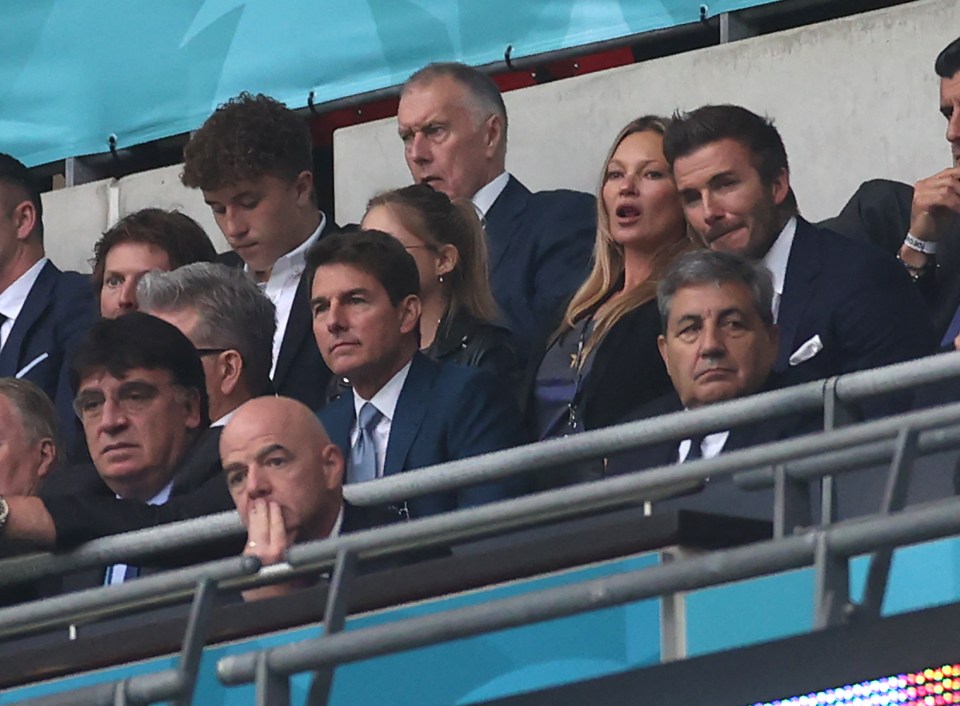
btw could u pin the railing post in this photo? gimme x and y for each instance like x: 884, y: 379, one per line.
x: 832, y: 588
x: 791, y: 502
x: 194, y: 638
x: 271, y: 689
x: 334, y: 620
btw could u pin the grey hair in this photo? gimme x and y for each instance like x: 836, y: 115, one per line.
x: 485, y: 95
x: 38, y: 417
x: 232, y: 312
x: 711, y: 267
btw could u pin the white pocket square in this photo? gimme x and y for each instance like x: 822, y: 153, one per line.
x: 805, y: 352
x: 32, y: 364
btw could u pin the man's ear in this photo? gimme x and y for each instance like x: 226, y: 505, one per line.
x: 409, y: 313
x: 47, y: 451
x: 333, y: 464
x: 780, y: 187
x: 662, y: 346
x: 229, y: 368
x: 25, y: 218
x: 303, y: 185
x: 494, y: 135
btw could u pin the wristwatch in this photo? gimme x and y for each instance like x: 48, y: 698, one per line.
x: 4, y: 514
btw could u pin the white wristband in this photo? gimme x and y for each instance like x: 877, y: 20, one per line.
x: 927, y: 247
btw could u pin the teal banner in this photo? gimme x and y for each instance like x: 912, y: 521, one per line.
x: 73, y: 73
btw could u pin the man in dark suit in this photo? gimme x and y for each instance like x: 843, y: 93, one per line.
x: 719, y: 343
x: 840, y: 305
x: 453, y: 123
x: 404, y: 411
x: 141, y: 396
x: 43, y: 311
x: 253, y: 161
x: 920, y: 225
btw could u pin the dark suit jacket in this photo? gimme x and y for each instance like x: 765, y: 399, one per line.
x: 627, y: 370
x: 300, y: 372
x: 445, y: 412
x: 879, y: 213
x: 84, y: 508
x: 56, y: 315
x: 720, y: 496
x: 539, y: 252
x: 858, y: 300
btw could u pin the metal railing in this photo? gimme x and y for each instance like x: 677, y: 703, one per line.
x: 832, y: 397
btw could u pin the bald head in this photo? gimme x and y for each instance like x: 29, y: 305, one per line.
x: 275, y: 449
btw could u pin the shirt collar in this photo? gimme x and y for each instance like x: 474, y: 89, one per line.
x: 779, y: 254
x: 224, y: 420
x: 386, y: 398
x: 161, y: 497
x: 484, y: 198
x: 294, y: 262
x: 14, y: 297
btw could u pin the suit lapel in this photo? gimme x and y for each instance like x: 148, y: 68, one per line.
x: 502, y: 220
x: 38, y: 300
x: 337, y: 418
x: 803, y: 266
x: 299, y: 326
x: 411, y: 408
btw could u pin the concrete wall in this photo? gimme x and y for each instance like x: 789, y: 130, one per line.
x: 75, y: 218
x: 854, y: 98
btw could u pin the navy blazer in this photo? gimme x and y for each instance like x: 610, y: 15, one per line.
x: 879, y: 213
x: 445, y: 412
x: 721, y: 495
x: 58, y: 312
x: 859, y: 301
x: 300, y: 372
x: 540, y: 247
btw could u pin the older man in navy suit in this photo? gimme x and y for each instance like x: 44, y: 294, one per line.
x: 252, y: 159
x: 840, y: 305
x: 404, y: 411
x: 43, y: 312
x: 454, y: 128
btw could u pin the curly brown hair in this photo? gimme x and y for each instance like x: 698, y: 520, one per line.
x: 248, y: 137
x: 178, y: 235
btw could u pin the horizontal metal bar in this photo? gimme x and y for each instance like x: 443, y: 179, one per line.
x: 82, y: 606
x: 625, y: 437
x: 722, y: 566
x: 605, y: 494
x: 124, y: 547
x: 144, y: 689
x: 931, y: 441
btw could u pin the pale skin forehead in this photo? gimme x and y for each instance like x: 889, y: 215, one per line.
x: 276, y: 417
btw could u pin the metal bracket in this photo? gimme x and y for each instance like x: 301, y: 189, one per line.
x: 791, y: 502
x: 894, y: 500
x: 334, y: 620
x: 832, y: 597
x: 194, y: 638
x: 271, y: 689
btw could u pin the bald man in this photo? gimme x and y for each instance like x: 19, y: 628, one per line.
x: 285, y: 476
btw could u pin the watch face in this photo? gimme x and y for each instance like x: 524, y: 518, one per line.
x: 4, y: 512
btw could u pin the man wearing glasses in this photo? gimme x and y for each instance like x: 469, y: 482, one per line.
x: 141, y: 397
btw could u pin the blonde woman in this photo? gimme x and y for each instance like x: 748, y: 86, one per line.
x: 604, y: 361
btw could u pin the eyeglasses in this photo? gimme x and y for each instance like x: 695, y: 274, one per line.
x: 130, y: 398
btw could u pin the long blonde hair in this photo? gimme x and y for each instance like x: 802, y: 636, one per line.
x: 593, y: 298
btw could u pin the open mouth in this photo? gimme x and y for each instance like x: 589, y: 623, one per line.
x: 628, y: 212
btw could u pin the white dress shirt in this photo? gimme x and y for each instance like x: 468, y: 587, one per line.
x: 384, y: 400
x: 484, y: 198
x: 282, y: 285
x: 712, y: 446
x: 776, y: 261
x: 15, y: 296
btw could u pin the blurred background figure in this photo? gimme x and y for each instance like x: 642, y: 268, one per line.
x: 447, y: 242
x: 149, y: 239
x: 604, y: 360
x: 29, y: 438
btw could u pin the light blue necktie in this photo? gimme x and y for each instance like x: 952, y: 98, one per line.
x: 363, y: 455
